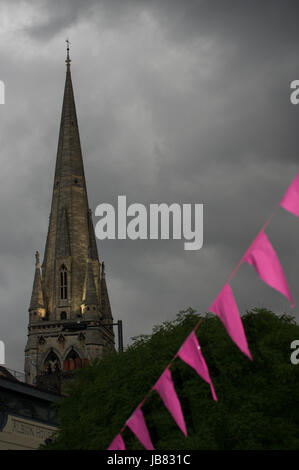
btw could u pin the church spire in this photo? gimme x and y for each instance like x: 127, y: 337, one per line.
x: 70, y: 228
x: 37, y: 298
x: 70, y: 286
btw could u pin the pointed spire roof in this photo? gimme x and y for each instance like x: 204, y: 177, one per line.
x: 69, y: 155
x: 90, y: 294
x: 71, y: 231
x: 105, y: 302
x: 93, y: 250
x: 37, y: 298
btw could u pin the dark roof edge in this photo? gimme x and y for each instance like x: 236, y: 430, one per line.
x: 27, y: 389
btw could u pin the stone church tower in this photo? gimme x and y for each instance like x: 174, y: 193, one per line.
x: 70, y: 319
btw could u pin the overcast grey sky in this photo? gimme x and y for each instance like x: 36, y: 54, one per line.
x: 177, y: 101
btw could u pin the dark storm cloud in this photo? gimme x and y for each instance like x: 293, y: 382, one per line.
x: 177, y: 102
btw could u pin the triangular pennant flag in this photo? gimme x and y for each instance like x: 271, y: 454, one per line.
x: 290, y: 200
x: 262, y: 256
x: 226, y: 309
x: 191, y: 354
x: 164, y: 386
x: 117, y: 443
x: 138, y: 426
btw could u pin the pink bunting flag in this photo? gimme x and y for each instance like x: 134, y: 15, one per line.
x: 226, y: 309
x: 138, y: 426
x: 190, y: 353
x: 262, y: 256
x: 290, y: 200
x: 164, y: 386
x: 117, y: 443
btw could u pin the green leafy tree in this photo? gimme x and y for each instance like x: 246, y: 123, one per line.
x: 258, y: 405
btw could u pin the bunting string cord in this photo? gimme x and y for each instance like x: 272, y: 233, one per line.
x: 261, y: 230
x: 167, y: 367
x: 200, y: 320
x: 241, y: 260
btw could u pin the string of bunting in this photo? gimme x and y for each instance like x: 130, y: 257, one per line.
x: 262, y: 256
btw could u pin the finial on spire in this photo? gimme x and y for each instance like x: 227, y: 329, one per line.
x: 37, y: 258
x: 68, y: 60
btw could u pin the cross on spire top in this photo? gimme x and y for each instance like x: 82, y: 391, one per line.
x: 68, y: 60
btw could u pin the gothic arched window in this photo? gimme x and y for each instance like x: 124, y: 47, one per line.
x: 52, y: 363
x: 63, y: 282
x: 72, y: 361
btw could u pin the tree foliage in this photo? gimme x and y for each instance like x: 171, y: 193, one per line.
x: 258, y: 405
